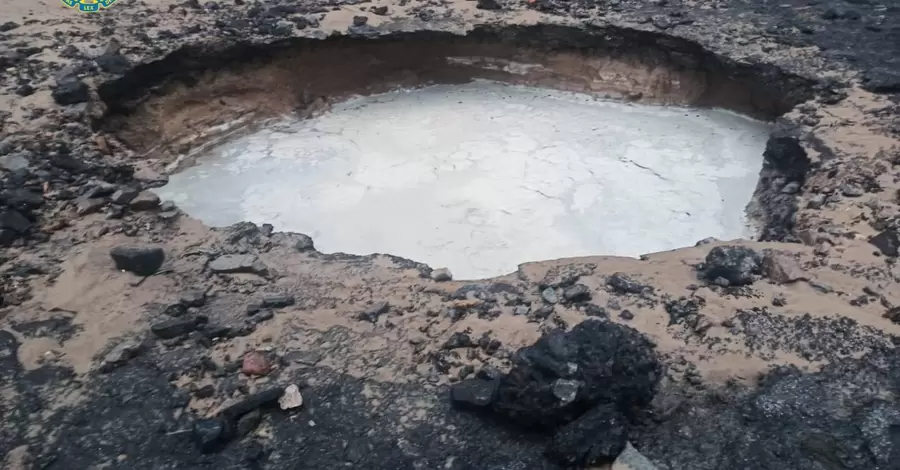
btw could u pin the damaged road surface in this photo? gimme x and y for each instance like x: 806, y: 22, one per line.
x: 136, y: 336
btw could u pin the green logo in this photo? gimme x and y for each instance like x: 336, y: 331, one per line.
x: 88, y: 6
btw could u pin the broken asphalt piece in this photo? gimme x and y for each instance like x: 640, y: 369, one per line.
x: 441, y: 275
x: 252, y: 402
x: 234, y: 264
x: 121, y: 354
x: 277, y: 301
x: 598, y: 436
x: 577, y: 293
x: 614, y: 364
x: 623, y: 284
x: 144, y: 201
x: 256, y: 363
x: 631, y: 459
x: 143, y: 261
x: 176, y: 327
x: 12, y: 226
x: 459, y: 340
x: 374, y: 311
x: 193, y: 298
x: 734, y: 264
x: 488, y: 5
x: 124, y: 195
x: 209, y: 434
x: 474, y: 394
x: 887, y: 242
x: 71, y: 91
x: 291, y: 398
x: 782, y: 268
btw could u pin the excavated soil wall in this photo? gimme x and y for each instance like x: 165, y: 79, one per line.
x: 173, y: 109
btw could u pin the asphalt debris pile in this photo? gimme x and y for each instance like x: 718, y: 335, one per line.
x: 580, y: 387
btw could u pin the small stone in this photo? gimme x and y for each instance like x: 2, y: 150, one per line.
x: 459, y: 340
x: 193, y: 298
x: 887, y: 242
x: 360, y: 20
x: 736, y: 265
x: 851, y: 190
x: 205, y: 391
x: 631, y: 459
x: 87, y: 206
x: 473, y: 393
x: 308, y: 358
x: 175, y: 327
x: 121, y: 354
x: 124, y: 195
x: 779, y: 300
x: 791, y: 188
x: 549, y: 295
x: 263, y: 316
x: 816, y: 201
x: 624, y: 284
x: 488, y: 5
x: 143, y: 261
x: 781, y: 268
x: 566, y: 390
x: 248, y: 423
x: 144, y: 201
x: 381, y: 11
x: 208, y: 434
x: 626, y: 315
x: 374, y: 311
x: 441, y: 275
x: 597, y: 436
x: 255, y: 363
x: 577, y: 293
x: 8, y: 26
x: 71, y: 91
x: 229, y: 264
x: 253, y: 402
x: 277, y: 301
x: 291, y: 398
x: 284, y: 28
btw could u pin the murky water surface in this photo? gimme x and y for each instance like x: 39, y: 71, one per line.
x: 484, y: 176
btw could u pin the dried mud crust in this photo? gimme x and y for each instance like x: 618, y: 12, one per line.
x: 104, y: 368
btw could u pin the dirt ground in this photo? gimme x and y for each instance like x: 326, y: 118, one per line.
x: 88, y: 381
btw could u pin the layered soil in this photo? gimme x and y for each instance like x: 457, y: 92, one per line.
x: 373, y: 340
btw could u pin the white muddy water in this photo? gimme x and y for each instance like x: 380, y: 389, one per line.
x: 484, y: 176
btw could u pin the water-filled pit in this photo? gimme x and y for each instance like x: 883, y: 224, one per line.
x: 484, y: 176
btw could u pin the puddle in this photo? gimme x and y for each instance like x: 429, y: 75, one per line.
x: 484, y: 176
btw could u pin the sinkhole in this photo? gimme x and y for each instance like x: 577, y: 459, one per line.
x: 484, y: 176
x: 475, y: 153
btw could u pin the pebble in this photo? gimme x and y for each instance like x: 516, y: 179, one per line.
x: 291, y: 398
x: 255, y: 363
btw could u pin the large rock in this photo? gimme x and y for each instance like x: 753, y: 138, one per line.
x: 734, y: 264
x: 597, y: 436
x: 609, y: 363
x: 142, y: 261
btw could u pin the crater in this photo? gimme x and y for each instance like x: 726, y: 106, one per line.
x: 475, y: 152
